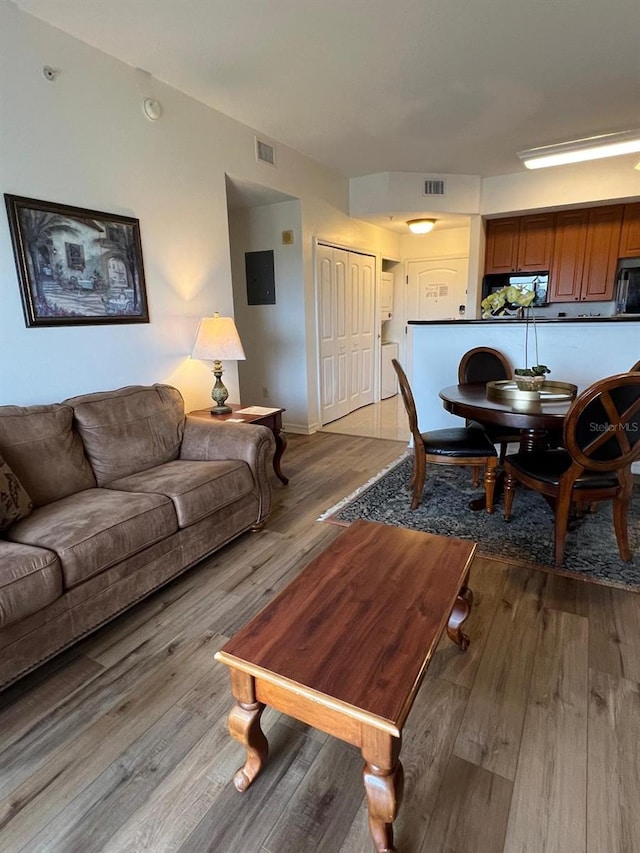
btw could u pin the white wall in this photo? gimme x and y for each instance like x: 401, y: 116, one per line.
x: 582, y: 183
x: 562, y: 186
x: 579, y: 352
x: 84, y: 141
x: 325, y: 222
x: 446, y: 243
x: 390, y: 192
x: 273, y: 336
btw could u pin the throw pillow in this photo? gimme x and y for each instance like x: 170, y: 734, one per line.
x: 15, y: 503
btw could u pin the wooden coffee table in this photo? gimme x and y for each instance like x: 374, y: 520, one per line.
x: 345, y: 646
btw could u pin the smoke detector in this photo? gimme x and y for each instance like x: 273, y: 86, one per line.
x: 152, y: 109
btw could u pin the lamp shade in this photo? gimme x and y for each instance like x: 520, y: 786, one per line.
x: 218, y: 340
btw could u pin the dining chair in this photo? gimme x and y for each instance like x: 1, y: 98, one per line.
x: 485, y: 364
x: 601, y: 439
x: 455, y: 446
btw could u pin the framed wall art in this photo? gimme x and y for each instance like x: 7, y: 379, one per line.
x: 76, y: 267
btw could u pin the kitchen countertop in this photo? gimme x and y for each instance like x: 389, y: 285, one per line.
x: 620, y: 318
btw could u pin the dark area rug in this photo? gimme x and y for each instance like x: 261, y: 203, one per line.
x: 591, y: 553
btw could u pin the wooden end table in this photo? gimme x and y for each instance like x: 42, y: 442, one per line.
x: 273, y: 420
x: 345, y: 646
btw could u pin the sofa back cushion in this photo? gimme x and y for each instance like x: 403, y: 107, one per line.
x: 15, y: 502
x: 44, y: 452
x: 129, y: 430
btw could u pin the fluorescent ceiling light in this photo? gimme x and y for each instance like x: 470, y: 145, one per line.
x: 579, y: 150
x: 421, y: 226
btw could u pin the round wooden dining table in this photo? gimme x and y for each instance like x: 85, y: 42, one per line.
x: 540, y: 423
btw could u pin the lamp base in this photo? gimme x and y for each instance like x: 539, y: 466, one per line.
x: 219, y: 393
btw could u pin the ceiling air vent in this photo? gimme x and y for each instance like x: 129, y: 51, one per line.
x: 265, y: 152
x: 433, y: 187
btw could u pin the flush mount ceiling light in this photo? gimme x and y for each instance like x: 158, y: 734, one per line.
x: 421, y: 226
x: 579, y: 150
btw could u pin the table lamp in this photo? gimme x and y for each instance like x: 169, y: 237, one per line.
x: 218, y: 340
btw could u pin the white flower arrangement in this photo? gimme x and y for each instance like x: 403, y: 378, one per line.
x: 508, y: 297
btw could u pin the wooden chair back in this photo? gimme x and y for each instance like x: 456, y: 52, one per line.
x: 409, y: 402
x: 483, y: 364
x: 602, y: 427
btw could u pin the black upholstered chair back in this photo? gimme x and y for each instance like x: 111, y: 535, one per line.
x: 483, y: 364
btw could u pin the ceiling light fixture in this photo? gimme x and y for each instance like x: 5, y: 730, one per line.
x: 579, y: 150
x: 421, y: 226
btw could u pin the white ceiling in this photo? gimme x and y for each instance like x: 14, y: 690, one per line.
x: 365, y: 86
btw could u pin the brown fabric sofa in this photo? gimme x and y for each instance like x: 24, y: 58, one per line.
x: 127, y: 493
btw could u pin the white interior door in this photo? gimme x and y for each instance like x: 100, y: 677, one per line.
x: 346, y: 305
x: 334, y: 332
x: 436, y: 288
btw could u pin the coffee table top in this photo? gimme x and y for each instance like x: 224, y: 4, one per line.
x: 357, y: 628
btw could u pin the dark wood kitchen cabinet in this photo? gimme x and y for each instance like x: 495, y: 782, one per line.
x: 567, y: 264
x: 585, y: 254
x: 502, y: 245
x: 519, y: 243
x: 601, y: 253
x: 630, y: 233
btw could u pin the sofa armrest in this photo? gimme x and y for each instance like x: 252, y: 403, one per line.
x: 210, y: 440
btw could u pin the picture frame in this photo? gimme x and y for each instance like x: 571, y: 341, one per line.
x: 76, y: 267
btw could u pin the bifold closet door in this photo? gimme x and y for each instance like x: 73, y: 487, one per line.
x: 346, y: 302
x: 362, y: 318
x: 334, y: 331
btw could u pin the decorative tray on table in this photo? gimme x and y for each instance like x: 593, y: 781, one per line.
x: 506, y: 391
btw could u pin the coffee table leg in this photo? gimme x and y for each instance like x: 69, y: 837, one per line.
x: 459, y: 615
x: 383, y: 782
x: 244, y: 726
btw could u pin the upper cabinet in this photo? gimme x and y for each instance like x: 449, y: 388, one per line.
x: 585, y: 254
x: 601, y: 253
x: 630, y: 234
x: 579, y: 247
x: 502, y: 245
x: 520, y: 243
x: 568, y: 256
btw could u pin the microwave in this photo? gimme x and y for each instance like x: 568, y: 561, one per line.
x: 627, y: 293
x: 536, y: 281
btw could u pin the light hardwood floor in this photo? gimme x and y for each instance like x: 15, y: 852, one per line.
x: 386, y: 419
x: 528, y: 743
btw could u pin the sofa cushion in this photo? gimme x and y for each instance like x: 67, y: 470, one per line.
x: 95, y: 529
x: 44, y: 451
x: 130, y: 429
x: 15, y: 503
x: 30, y: 578
x: 197, y: 489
